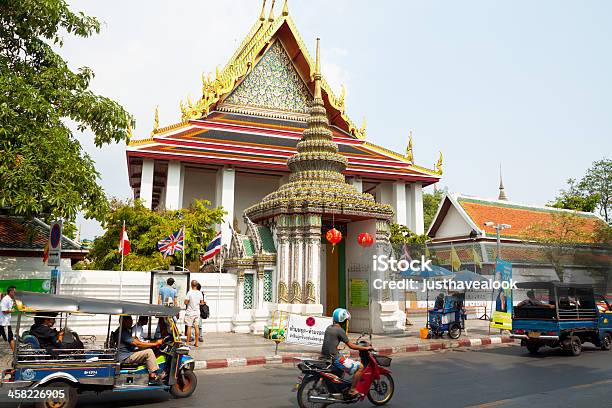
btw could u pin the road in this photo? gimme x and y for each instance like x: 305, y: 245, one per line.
x: 487, y: 377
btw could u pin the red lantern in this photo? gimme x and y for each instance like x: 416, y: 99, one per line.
x: 365, y: 240
x: 333, y: 236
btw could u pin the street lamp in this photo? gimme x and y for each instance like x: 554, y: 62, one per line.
x: 498, y: 228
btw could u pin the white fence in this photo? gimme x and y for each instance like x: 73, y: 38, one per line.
x: 136, y: 287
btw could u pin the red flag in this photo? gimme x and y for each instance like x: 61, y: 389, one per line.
x: 124, y: 242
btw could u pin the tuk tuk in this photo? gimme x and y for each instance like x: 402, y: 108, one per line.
x: 447, y: 317
x: 558, y: 314
x: 95, y: 368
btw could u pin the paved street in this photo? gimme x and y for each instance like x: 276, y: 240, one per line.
x: 486, y: 377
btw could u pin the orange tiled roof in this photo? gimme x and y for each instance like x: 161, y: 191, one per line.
x: 520, y: 217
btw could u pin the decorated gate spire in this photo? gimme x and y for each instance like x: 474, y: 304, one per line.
x: 316, y: 181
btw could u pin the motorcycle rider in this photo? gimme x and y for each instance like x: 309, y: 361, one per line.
x: 335, y: 334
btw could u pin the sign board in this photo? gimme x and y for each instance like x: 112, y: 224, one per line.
x: 358, y: 291
x: 502, y: 315
x: 306, y: 330
x: 55, y: 244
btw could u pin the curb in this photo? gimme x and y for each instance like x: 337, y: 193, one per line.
x: 386, y: 351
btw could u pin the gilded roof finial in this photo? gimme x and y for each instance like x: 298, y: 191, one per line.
x: 262, y: 16
x: 502, y: 191
x: 129, y: 132
x: 317, y: 74
x: 364, y: 125
x: 156, y: 120
x: 285, y: 8
x: 271, y: 16
x: 409, y: 155
x: 439, y: 164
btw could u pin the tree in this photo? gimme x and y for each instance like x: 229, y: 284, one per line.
x: 43, y: 170
x: 574, y: 198
x: 559, y: 238
x: 430, y: 206
x: 145, y: 227
x: 598, y: 181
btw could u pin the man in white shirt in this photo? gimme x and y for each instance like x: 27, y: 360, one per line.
x: 138, y: 329
x: 6, y: 307
x: 193, y: 300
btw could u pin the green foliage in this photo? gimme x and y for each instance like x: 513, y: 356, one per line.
x: 598, y: 181
x: 430, y: 206
x: 145, y: 227
x: 574, y: 198
x: 593, y: 191
x: 401, y: 234
x: 43, y: 170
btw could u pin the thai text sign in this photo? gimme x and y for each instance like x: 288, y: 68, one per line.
x: 359, y: 292
x: 306, y: 330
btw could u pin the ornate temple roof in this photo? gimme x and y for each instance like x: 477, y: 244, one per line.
x: 253, y: 112
x: 316, y: 182
x: 522, y: 217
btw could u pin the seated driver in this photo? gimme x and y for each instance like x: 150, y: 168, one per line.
x: 128, y: 346
x: 335, y: 334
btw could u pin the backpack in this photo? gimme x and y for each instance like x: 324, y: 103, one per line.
x: 204, y: 311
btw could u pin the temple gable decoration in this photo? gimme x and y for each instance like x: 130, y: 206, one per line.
x: 273, y: 83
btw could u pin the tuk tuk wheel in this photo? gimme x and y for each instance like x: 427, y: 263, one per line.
x: 575, y: 346
x: 454, y: 331
x: 186, y: 382
x: 533, y: 348
x: 69, y: 401
x: 606, y: 343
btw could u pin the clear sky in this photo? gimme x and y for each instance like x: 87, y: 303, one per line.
x: 523, y: 83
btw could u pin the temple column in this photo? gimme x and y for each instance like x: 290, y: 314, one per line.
x: 174, y: 185
x: 414, y: 196
x: 399, y: 203
x: 226, y: 180
x: 146, y: 182
x: 282, y: 263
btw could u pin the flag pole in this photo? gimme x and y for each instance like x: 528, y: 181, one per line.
x: 184, y: 246
x: 121, y: 246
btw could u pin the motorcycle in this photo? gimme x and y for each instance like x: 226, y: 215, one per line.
x: 322, y: 384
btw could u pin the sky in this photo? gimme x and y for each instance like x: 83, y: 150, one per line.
x: 522, y: 84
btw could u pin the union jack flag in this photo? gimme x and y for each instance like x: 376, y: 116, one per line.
x: 174, y: 243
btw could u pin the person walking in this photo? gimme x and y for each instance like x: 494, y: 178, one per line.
x: 193, y: 301
x: 6, y: 307
x: 200, y: 322
x: 167, y: 294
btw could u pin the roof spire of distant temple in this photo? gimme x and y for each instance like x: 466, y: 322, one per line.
x: 156, y: 120
x: 271, y: 16
x: 285, y: 8
x: 409, y: 154
x: 262, y: 16
x: 502, y: 192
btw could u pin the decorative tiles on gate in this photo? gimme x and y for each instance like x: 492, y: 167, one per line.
x: 273, y: 84
x: 267, y: 286
x: 248, y: 291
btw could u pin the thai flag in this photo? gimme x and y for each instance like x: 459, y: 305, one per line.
x: 213, y: 248
x: 175, y: 242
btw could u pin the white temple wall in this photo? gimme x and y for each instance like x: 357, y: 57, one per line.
x: 199, y: 184
x: 453, y: 225
x: 250, y: 189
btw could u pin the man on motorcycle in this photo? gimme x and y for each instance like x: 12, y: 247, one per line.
x: 335, y: 334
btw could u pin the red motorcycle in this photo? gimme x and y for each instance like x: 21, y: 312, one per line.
x: 321, y: 384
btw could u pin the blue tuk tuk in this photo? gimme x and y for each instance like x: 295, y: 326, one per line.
x: 447, y: 317
x: 558, y: 314
x: 91, y: 369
